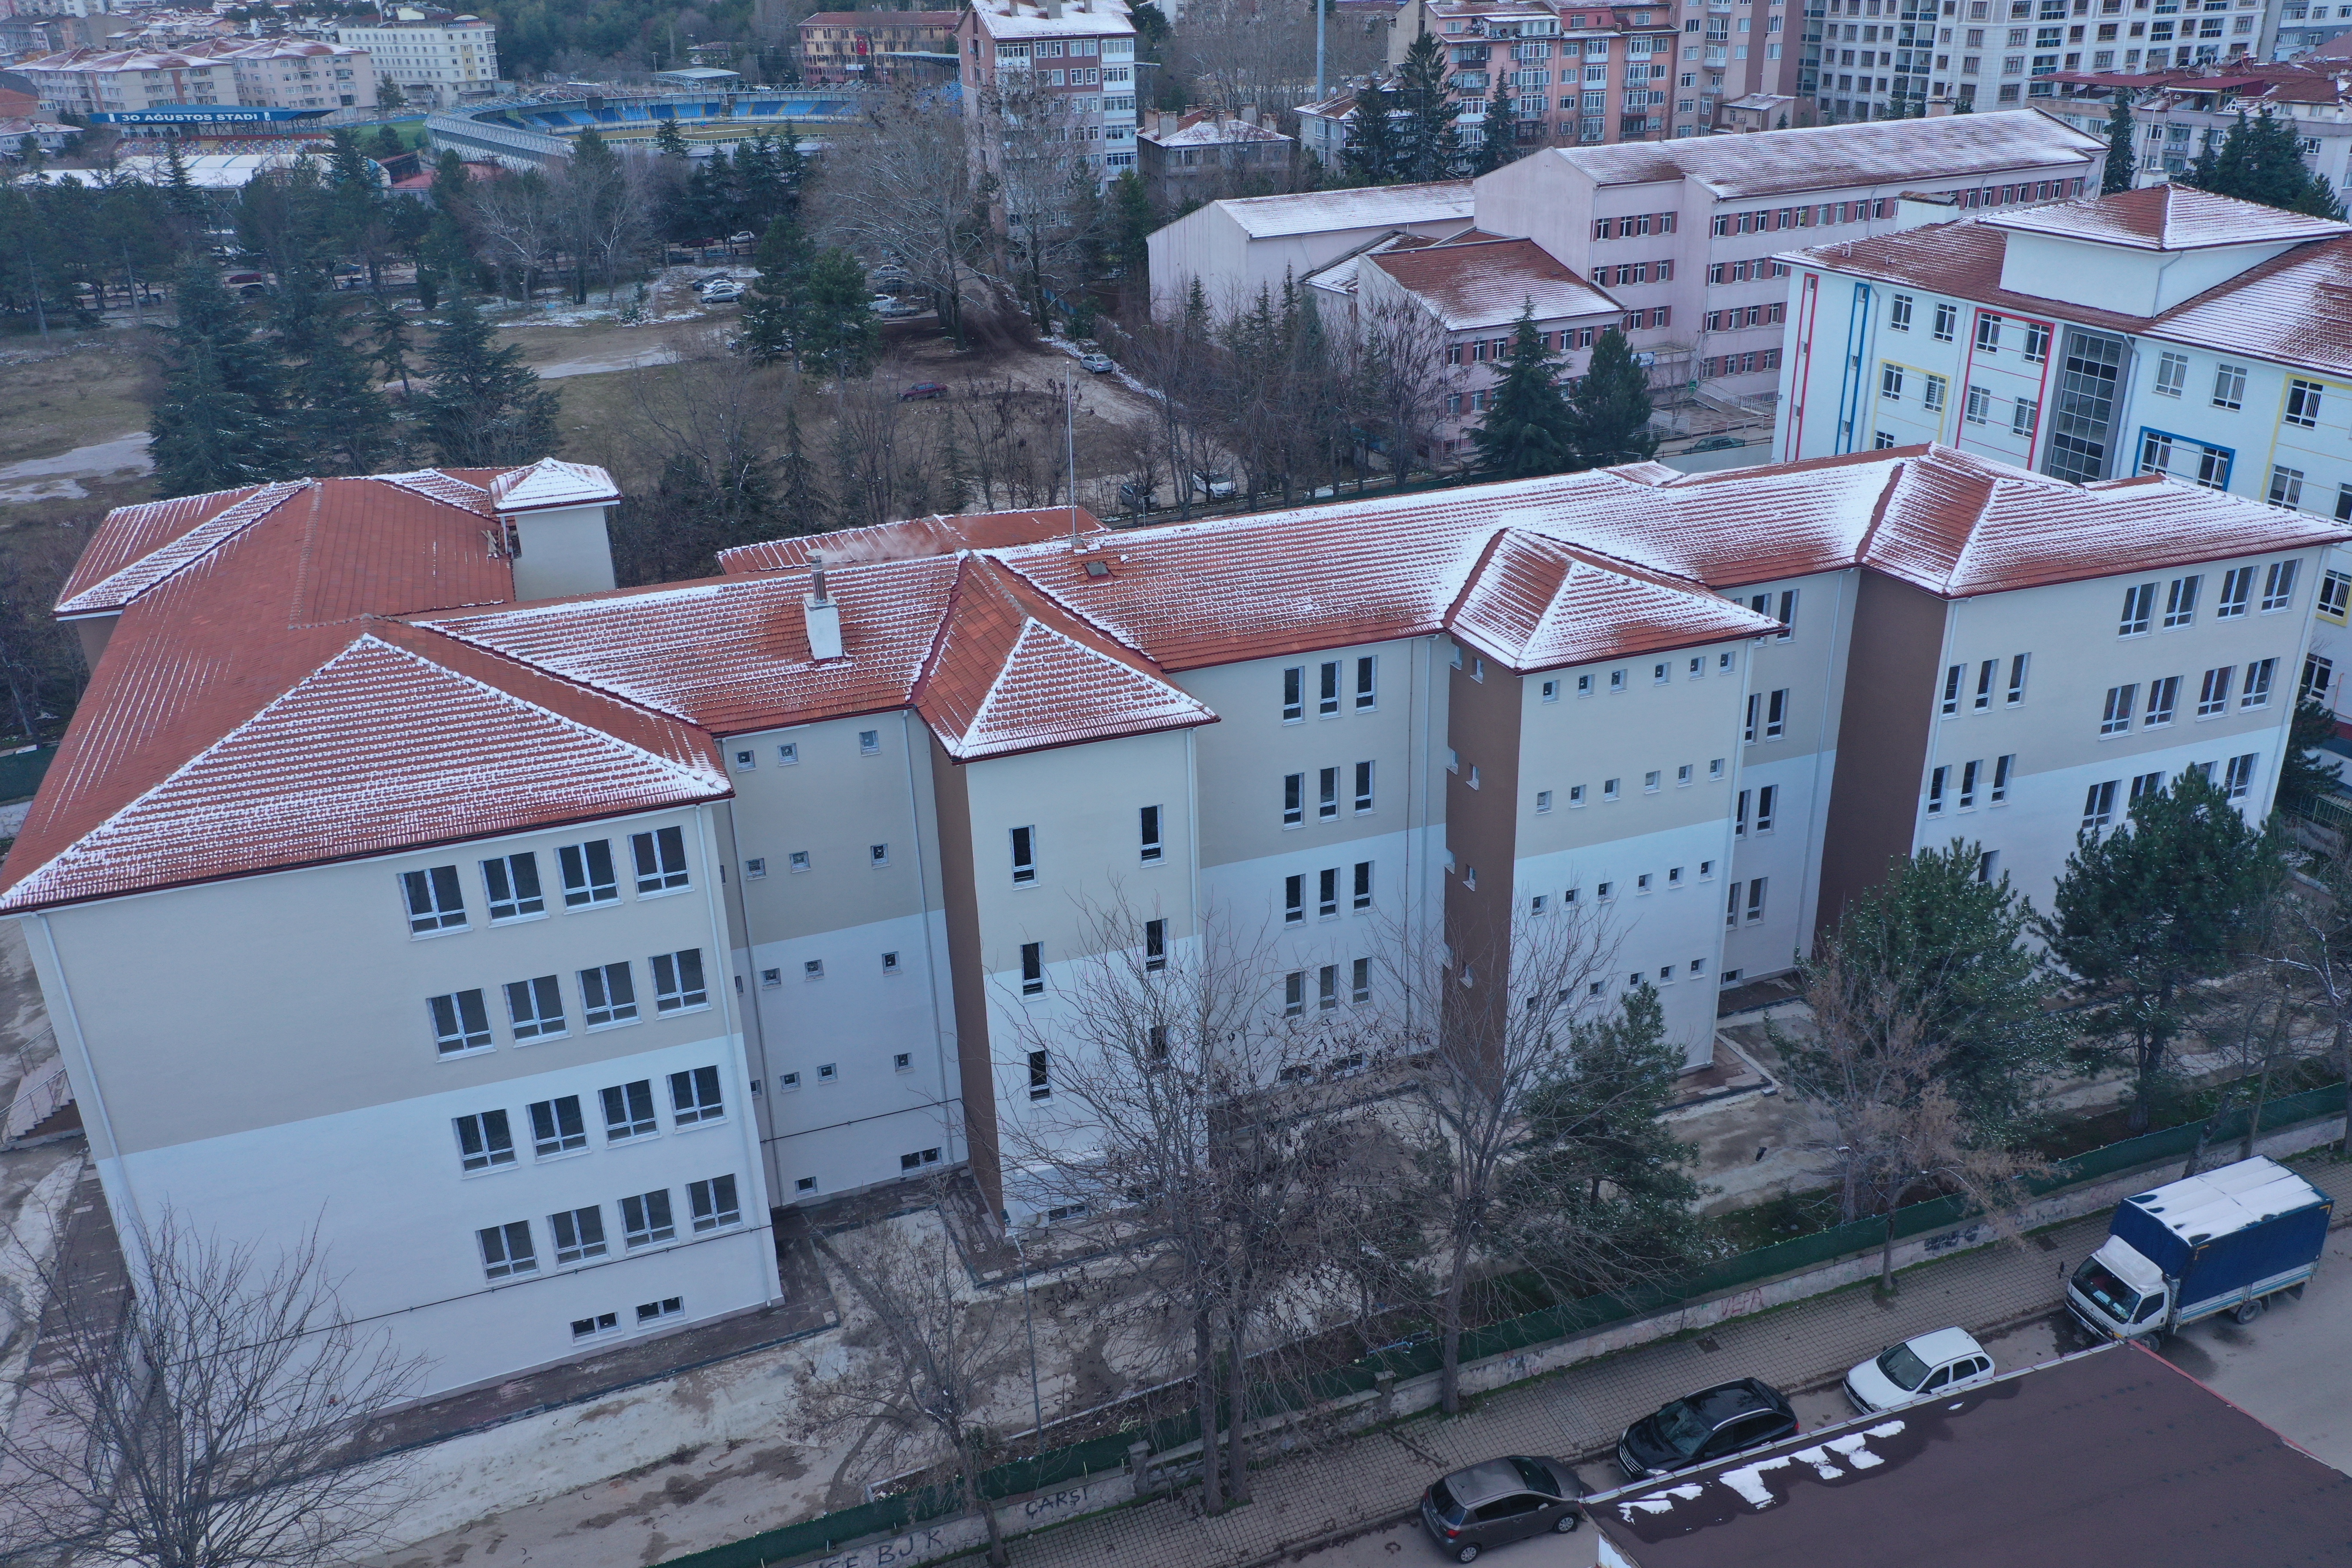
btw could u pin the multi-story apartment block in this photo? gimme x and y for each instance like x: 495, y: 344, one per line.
x: 114, y: 81
x: 1203, y: 154
x: 555, y: 932
x: 1077, y: 56
x: 1574, y: 75
x: 2313, y: 28
x: 435, y: 59
x: 2162, y: 331
x: 877, y: 46
x: 2178, y: 111
x: 1685, y: 235
x: 2007, y: 52
x: 295, y: 73
x: 1475, y: 289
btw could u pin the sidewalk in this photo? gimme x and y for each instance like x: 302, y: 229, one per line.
x: 1368, y: 1481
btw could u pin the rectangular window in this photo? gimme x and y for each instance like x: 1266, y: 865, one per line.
x: 2302, y: 399
x: 2037, y: 342
x: 2214, y: 696
x: 1360, y: 978
x: 2238, y: 781
x: 2117, y: 717
x: 2335, y: 595
x: 678, y: 981
x: 1032, y: 969
x: 607, y: 995
x: 1747, y: 732
x: 1327, y: 795
x: 1936, y: 778
x: 513, y: 883
x: 1041, y: 1076
x: 1327, y: 892
x: 507, y: 1250
x: 1985, y: 674
x: 1947, y: 317
x: 1327, y: 987
x: 1148, y: 835
x: 869, y: 742
x: 436, y: 901
x: 2180, y: 602
x: 1294, y: 900
x: 1363, y: 788
x: 2237, y: 590
x: 460, y: 1022
x: 1025, y: 857
x: 484, y: 1140
x: 694, y: 1097
x: 2145, y: 785
x: 1294, y: 799
x: 661, y: 860
x: 1367, y: 682
x: 2171, y: 374
x: 1987, y: 334
x: 535, y: 1008
x: 1294, y: 693
x: 1327, y: 689
x: 1931, y: 396
x: 2017, y: 667
x: 672, y: 1306
x: 1756, y: 897
x: 2004, y: 770
x: 1898, y: 313
x: 2163, y: 697
x: 2286, y: 486
x: 2229, y: 386
x: 2023, y: 415
x: 1766, y: 799
x: 645, y: 1219
x: 714, y: 1204
x: 1362, y: 896
x: 2099, y: 804
x: 1954, y: 674
x: 629, y: 1111
x: 579, y: 1234
x: 2256, y: 692
x: 1978, y: 407
x: 1890, y: 383
x: 1969, y: 784
x: 2318, y: 676
x: 2139, y: 609
x: 2278, y: 585
x: 1730, y: 910
x: 1776, y: 714
x: 555, y: 1127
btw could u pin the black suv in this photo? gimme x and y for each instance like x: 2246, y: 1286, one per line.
x: 1701, y: 1428
x: 1501, y: 1501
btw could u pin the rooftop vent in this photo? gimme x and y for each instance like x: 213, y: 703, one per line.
x: 822, y: 615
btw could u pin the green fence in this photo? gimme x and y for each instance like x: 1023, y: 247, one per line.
x: 20, y: 772
x: 1059, y: 1466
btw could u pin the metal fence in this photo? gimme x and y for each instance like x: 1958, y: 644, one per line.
x: 1056, y: 1466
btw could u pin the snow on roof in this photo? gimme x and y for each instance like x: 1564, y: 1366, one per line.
x: 2294, y: 308
x: 1487, y: 283
x: 1824, y: 157
x: 2219, y: 1202
x: 550, y: 483
x: 1535, y: 603
x: 1374, y: 207
x: 1205, y: 128
x: 2167, y: 217
x: 908, y: 540
x: 1069, y: 18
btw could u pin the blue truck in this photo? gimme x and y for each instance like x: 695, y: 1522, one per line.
x: 2226, y: 1241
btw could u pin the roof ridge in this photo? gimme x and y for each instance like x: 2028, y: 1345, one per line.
x: 223, y: 526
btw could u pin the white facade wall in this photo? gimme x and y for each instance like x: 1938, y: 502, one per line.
x: 432, y: 63
x: 273, y: 1068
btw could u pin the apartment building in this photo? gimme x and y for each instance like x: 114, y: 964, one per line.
x: 1683, y: 234
x: 114, y: 81
x: 2175, y: 111
x: 2007, y: 52
x: 2162, y: 331
x: 1076, y: 58
x: 1475, y: 289
x: 1575, y: 75
x: 878, y: 47
x: 297, y: 73
x: 435, y: 59
x: 1203, y: 154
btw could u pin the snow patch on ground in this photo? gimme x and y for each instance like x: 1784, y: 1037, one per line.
x: 56, y: 478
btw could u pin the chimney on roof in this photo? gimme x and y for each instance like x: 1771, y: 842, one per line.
x: 823, y: 617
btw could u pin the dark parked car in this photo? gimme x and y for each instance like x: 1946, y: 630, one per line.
x: 923, y: 389
x: 1705, y: 1426
x: 1501, y: 1501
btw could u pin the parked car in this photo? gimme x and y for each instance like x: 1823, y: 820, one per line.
x: 1501, y: 1501
x: 1097, y: 362
x: 891, y: 309
x: 923, y: 390
x: 721, y: 291
x: 1705, y: 1426
x: 1216, y: 487
x: 1918, y: 1368
x: 1137, y: 498
x: 1717, y: 444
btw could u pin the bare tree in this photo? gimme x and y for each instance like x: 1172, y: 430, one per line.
x: 889, y: 456
x: 928, y: 1357
x: 1871, y: 1066
x: 2313, y: 945
x: 1493, y: 1017
x: 206, y: 1414
x: 1192, y: 1099
x: 900, y: 190
x: 706, y: 435
x: 1045, y: 181
x: 1401, y: 379
x: 1013, y: 444
x: 517, y: 218
x: 1177, y: 361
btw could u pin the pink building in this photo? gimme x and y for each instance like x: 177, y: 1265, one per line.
x: 1080, y: 51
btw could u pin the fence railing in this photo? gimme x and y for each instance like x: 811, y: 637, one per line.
x: 1059, y: 1466
x: 35, y: 1104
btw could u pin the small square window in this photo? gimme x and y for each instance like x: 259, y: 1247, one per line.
x: 869, y: 742
x: 828, y: 1072
x: 1682, y: 774
x: 788, y: 754
x: 1715, y: 768
x: 903, y: 1062
x: 755, y: 868
x: 1660, y: 672
x: 1616, y: 681
x: 813, y: 970
x: 746, y: 759
x: 772, y: 977
x: 1551, y: 691
x: 1543, y: 800
x: 1608, y: 788
x: 804, y: 1184
x: 1650, y: 782
x: 787, y: 1082
x: 889, y: 964
x: 877, y: 853
x: 798, y: 860
x: 1584, y: 686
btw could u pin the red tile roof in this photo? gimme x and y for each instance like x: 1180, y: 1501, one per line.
x: 1487, y: 282
x: 908, y: 541
x: 1961, y: 258
x: 1537, y: 604
x: 2166, y: 217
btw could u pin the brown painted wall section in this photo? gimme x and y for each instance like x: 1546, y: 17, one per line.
x: 956, y: 893
x: 1890, y: 701
x: 1482, y: 824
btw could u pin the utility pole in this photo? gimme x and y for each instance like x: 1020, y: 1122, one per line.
x: 1319, y: 49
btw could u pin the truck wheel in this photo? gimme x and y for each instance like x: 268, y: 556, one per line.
x: 2249, y: 1310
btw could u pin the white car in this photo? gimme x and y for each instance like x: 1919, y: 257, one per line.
x: 1098, y: 363
x: 720, y: 293
x: 1923, y: 1368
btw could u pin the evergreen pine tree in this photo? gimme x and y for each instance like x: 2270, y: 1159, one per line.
x: 1373, y: 154
x: 835, y: 329
x: 1132, y: 221
x: 1431, y: 149
x: 2123, y: 146
x: 222, y: 419
x: 1495, y: 149
x: 1611, y: 407
x: 388, y: 143
x: 800, y: 501
x: 670, y: 143
x: 336, y: 414
x: 2261, y: 160
x: 486, y: 406
x: 772, y: 312
x: 1528, y: 430
x: 2301, y: 775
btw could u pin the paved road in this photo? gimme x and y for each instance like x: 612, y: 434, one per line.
x: 2287, y: 1369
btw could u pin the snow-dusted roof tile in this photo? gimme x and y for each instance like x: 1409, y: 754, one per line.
x: 2167, y: 217
x: 550, y: 482
x: 1825, y: 157
x: 1374, y: 207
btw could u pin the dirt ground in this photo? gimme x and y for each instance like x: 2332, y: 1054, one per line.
x: 68, y: 424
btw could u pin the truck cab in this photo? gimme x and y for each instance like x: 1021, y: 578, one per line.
x: 2118, y: 1294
